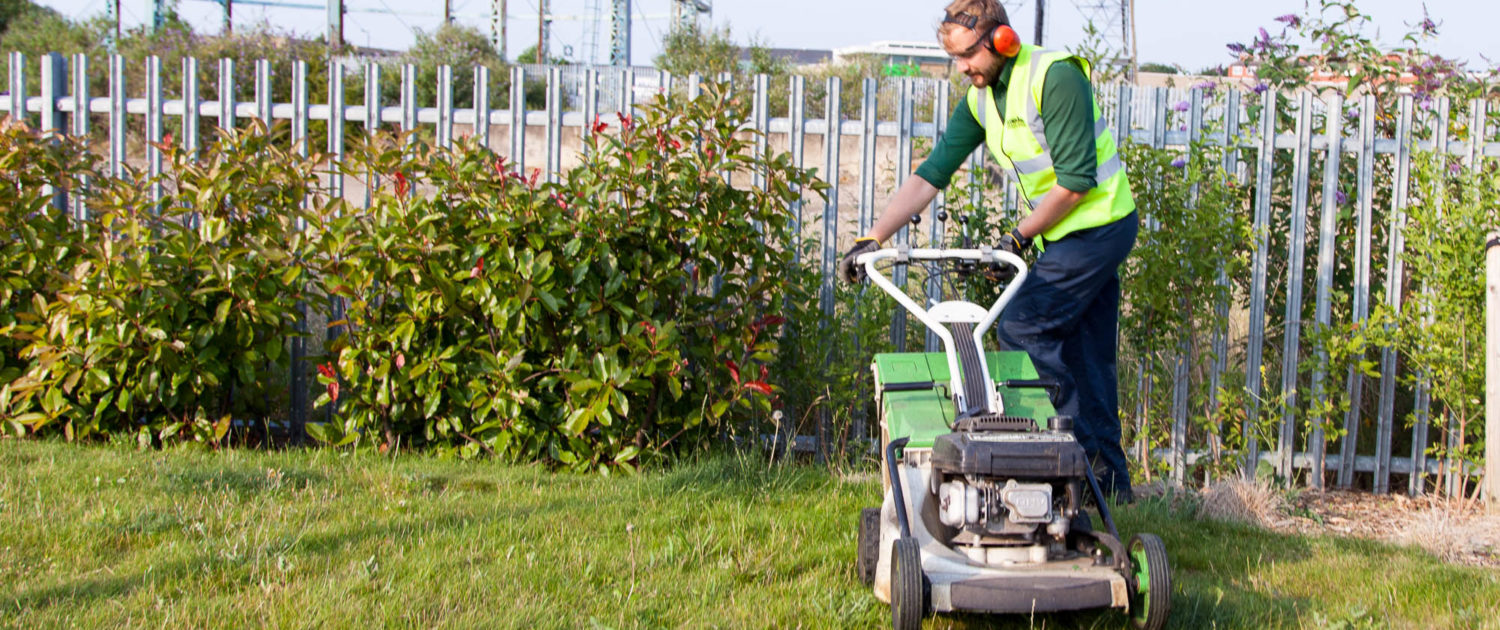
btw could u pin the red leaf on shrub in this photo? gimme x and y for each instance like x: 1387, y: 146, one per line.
x: 734, y: 371
x: 401, y: 360
x: 709, y: 152
x: 650, y: 330
x: 599, y: 126
x: 534, y: 173
x: 759, y: 386
x: 402, y: 185
x: 626, y: 121
x: 166, y: 141
x: 333, y: 391
x: 764, y: 372
x: 771, y: 320
x: 326, y: 369
x: 676, y: 145
x: 500, y: 166
x: 478, y: 268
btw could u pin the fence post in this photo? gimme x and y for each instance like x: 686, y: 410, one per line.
x: 903, y: 171
x: 54, y: 86
x: 81, y: 107
x: 409, y: 101
x: 1492, y: 373
x: 1286, y: 435
x: 1261, y: 235
x: 18, y: 86
x: 482, y: 105
x: 868, y: 119
x: 518, y: 118
x: 226, y: 94
x: 445, y: 106
x: 116, y: 115
x: 553, y: 161
x: 1327, y: 228
x: 298, y: 360
x: 263, y: 92
x: 190, y: 105
x: 154, y: 121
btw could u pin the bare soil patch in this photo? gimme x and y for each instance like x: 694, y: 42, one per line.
x: 1460, y: 532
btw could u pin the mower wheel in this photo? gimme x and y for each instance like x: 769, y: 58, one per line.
x: 908, y: 585
x: 867, y: 551
x: 1151, y: 586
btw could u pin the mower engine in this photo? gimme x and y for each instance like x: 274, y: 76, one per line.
x: 1011, y: 494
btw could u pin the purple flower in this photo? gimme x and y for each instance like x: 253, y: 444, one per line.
x: 1353, y: 113
x: 1260, y: 88
x: 1265, y: 38
x: 1236, y: 48
x: 1290, y: 20
x: 1453, y: 167
x: 1207, y: 86
x: 1340, y: 197
x: 1179, y: 162
x: 1428, y: 26
x: 1182, y: 106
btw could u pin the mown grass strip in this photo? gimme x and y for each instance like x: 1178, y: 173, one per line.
x: 106, y: 536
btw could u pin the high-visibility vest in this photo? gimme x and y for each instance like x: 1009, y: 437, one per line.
x: 1020, y: 146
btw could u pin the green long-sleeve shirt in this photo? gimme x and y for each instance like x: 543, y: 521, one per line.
x: 1067, y: 121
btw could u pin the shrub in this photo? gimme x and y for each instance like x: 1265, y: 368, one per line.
x: 627, y: 307
x: 161, y: 317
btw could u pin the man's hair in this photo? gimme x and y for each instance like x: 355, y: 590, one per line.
x: 989, y: 13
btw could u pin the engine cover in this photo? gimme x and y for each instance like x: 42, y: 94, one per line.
x: 1010, y: 455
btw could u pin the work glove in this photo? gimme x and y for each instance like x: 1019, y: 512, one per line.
x: 852, y: 272
x: 1015, y: 244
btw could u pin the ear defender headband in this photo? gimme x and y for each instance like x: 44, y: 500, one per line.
x: 1001, y: 39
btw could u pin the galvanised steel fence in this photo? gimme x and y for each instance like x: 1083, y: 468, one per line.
x: 881, y: 152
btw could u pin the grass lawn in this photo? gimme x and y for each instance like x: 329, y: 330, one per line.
x: 94, y: 537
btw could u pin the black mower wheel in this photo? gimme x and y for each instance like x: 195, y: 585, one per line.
x: 1151, y: 585
x: 867, y: 550
x: 908, y: 585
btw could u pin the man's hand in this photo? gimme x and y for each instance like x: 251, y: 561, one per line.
x: 847, y: 268
x: 1014, y: 242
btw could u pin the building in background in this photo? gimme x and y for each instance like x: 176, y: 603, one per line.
x: 902, y: 58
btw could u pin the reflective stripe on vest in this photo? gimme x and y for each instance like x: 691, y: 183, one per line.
x: 1019, y: 144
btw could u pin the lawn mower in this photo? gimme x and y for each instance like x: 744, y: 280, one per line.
x: 985, y: 486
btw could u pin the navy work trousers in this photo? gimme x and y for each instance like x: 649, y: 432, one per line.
x: 1066, y: 317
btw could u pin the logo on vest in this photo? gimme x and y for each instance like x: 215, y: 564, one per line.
x: 1015, y: 122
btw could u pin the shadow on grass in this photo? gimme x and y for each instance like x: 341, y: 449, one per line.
x: 1217, y: 576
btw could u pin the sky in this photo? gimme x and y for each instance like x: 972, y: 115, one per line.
x: 1187, y: 33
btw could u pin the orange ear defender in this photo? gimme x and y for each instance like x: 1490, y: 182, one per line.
x: 1001, y: 40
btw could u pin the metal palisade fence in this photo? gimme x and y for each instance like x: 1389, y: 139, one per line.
x: 879, y: 136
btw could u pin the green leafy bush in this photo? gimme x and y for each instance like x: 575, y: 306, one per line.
x: 158, y: 317
x: 626, y: 307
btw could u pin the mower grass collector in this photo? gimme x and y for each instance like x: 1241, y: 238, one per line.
x: 984, y: 484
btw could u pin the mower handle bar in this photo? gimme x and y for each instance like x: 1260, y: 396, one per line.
x: 983, y: 255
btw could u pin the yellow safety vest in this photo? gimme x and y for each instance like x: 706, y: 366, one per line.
x: 1020, y: 146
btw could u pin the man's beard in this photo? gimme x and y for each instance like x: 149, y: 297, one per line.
x: 989, y: 76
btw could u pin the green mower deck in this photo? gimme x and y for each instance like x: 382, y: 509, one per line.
x: 915, y: 400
